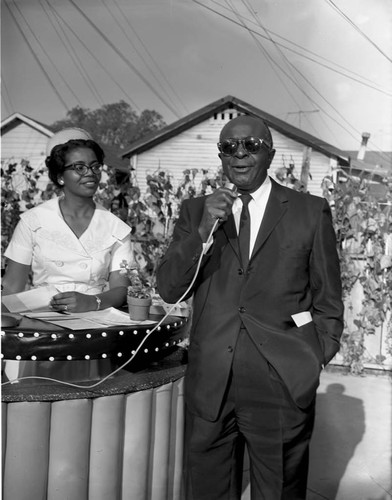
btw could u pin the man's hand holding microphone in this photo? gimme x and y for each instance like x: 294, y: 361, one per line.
x: 217, y: 208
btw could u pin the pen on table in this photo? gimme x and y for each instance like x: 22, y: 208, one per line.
x: 60, y: 312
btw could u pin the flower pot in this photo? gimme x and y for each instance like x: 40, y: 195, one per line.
x: 139, y: 308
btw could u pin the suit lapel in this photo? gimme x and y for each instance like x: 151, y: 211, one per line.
x: 275, y: 209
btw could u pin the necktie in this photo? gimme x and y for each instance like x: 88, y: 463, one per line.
x: 244, y: 231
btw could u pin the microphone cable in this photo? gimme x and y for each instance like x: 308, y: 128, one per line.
x: 206, y: 246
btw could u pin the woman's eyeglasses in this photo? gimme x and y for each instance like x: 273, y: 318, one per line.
x: 82, y: 168
x: 252, y: 145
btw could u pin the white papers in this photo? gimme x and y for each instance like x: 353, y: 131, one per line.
x: 160, y: 307
x: 35, y: 304
x: 31, y: 300
x: 88, y: 320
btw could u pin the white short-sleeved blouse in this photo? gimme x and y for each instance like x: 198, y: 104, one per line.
x: 43, y: 240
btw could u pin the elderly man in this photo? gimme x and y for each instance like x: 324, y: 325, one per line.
x: 267, y: 318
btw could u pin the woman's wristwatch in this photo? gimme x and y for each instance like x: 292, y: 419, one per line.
x: 98, y: 302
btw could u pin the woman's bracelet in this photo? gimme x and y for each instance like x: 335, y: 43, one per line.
x: 98, y: 302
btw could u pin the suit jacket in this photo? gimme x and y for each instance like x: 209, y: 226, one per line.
x: 294, y: 268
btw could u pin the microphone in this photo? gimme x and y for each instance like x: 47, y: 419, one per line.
x: 207, y: 244
x: 231, y: 186
x: 233, y: 189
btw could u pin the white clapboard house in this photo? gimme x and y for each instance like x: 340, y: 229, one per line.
x: 190, y: 143
x: 24, y: 139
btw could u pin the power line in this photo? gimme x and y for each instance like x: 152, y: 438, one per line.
x: 95, y: 58
x: 285, y: 59
x: 292, y: 78
x: 294, y: 51
x: 45, y: 52
x: 303, y: 76
x: 155, y: 64
x: 125, y: 60
x: 277, y: 35
x: 36, y: 58
x: 137, y: 52
x: 265, y: 53
x: 72, y: 53
x: 6, y: 97
x: 302, y: 112
x: 342, y: 14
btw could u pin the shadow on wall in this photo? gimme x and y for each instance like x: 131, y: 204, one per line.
x: 339, y: 427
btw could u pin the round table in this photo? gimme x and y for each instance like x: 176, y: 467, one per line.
x: 122, y: 439
x: 32, y: 339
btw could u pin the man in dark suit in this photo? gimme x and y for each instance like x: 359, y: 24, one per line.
x: 267, y: 317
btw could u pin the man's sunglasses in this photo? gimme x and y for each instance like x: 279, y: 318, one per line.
x: 82, y: 168
x: 252, y: 145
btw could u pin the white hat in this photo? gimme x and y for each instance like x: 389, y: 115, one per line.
x: 66, y: 135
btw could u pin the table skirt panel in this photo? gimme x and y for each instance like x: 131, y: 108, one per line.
x: 69, y: 449
x: 160, y: 442
x: 176, y: 447
x: 106, y: 448
x: 137, y: 437
x: 3, y: 435
x: 26, y: 451
x: 122, y: 447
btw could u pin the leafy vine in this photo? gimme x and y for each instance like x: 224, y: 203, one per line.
x: 362, y: 213
x: 362, y: 220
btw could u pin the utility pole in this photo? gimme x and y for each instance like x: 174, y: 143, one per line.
x: 305, y: 168
x: 302, y: 112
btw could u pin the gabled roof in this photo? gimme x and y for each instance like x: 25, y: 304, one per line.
x: 114, y: 159
x: 364, y: 169
x: 12, y: 120
x: 230, y: 102
x: 381, y: 158
x: 112, y: 153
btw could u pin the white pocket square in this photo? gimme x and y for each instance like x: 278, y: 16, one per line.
x: 302, y: 318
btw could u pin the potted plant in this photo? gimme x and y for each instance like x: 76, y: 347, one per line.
x: 140, y: 292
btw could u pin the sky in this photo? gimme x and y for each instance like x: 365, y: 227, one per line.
x: 324, y: 66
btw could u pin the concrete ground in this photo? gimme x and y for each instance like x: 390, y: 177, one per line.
x: 351, y: 449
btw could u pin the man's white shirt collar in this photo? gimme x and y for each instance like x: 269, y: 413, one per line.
x: 259, y: 199
x: 256, y: 209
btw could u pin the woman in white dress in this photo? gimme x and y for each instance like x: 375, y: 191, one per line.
x: 71, y: 242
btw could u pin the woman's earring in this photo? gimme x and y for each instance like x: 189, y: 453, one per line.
x: 61, y: 181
